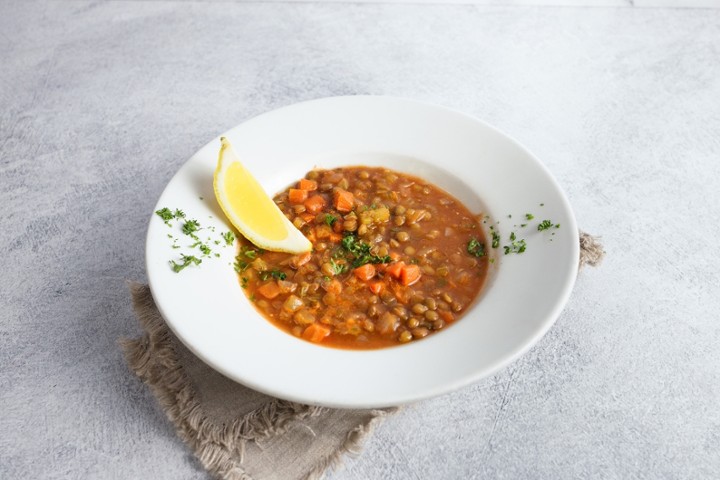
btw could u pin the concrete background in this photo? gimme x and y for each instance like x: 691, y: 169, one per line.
x: 101, y: 102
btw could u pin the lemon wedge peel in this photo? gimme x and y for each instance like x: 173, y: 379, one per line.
x: 249, y: 208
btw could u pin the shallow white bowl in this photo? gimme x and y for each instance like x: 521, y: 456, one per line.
x: 487, y: 170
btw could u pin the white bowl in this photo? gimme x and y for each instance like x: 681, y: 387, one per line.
x: 481, y: 166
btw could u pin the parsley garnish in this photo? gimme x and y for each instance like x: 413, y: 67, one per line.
x: 516, y: 246
x: 529, y: 216
x: 474, y: 247
x: 240, y: 265
x: 190, y: 227
x: 205, y: 249
x: 495, y: 239
x: 278, y: 274
x: 337, y: 268
x: 545, y: 224
x: 330, y: 219
x: 186, y: 261
x: 244, y: 282
x: 359, y: 252
x: 229, y: 238
x: 165, y: 214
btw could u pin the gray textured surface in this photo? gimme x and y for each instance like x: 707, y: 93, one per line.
x: 100, y: 103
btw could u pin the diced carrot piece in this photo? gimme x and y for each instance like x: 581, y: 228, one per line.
x: 300, y: 260
x: 403, y: 293
x: 270, y: 290
x: 323, y: 231
x: 410, y: 274
x: 394, y: 256
x: 343, y: 200
x: 308, y: 217
x: 316, y: 333
x: 394, y: 269
x: 297, y: 196
x: 365, y: 272
x: 308, y: 185
x: 376, y: 287
x: 338, y: 226
x: 445, y: 315
x: 335, y: 237
x: 315, y: 204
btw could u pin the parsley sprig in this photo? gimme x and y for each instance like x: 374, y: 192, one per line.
x: 187, y: 260
x: 476, y: 248
x: 229, y: 238
x: 277, y: 274
x: 547, y: 224
x: 516, y: 246
x: 359, y: 252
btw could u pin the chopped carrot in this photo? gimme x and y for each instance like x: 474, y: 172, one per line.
x: 445, y: 315
x: 297, y: 196
x: 300, y: 260
x: 316, y: 333
x: 343, y: 200
x: 335, y: 237
x: 308, y: 185
x: 323, y: 231
x: 376, y: 287
x: 410, y: 274
x: 315, y: 204
x: 337, y: 226
x: 365, y: 272
x: 270, y: 290
x: 394, y: 256
x: 308, y: 217
x: 394, y: 269
x: 403, y: 293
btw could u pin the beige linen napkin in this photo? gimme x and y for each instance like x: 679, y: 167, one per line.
x: 238, y: 433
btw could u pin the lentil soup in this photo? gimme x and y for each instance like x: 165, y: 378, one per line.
x: 394, y: 260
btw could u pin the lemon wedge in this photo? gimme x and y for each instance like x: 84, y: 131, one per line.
x: 250, y: 209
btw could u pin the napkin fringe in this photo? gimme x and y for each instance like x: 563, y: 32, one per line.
x: 591, y: 250
x: 153, y: 359
x: 353, y: 444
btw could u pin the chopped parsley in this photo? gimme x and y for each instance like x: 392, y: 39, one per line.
x: 330, y: 219
x: 495, y: 239
x: 244, y: 282
x: 277, y: 274
x: 229, y: 238
x: 165, y: 214
x: 187, y: 260
x: 529, y: 216
x: 240, y: 264
x: 475, y: 248
x: 516, y: 246
x: 337, y: 268
x: 359, y: 252
x: 205, y: 249
x: 190, y: 227
x: 547, y: 224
